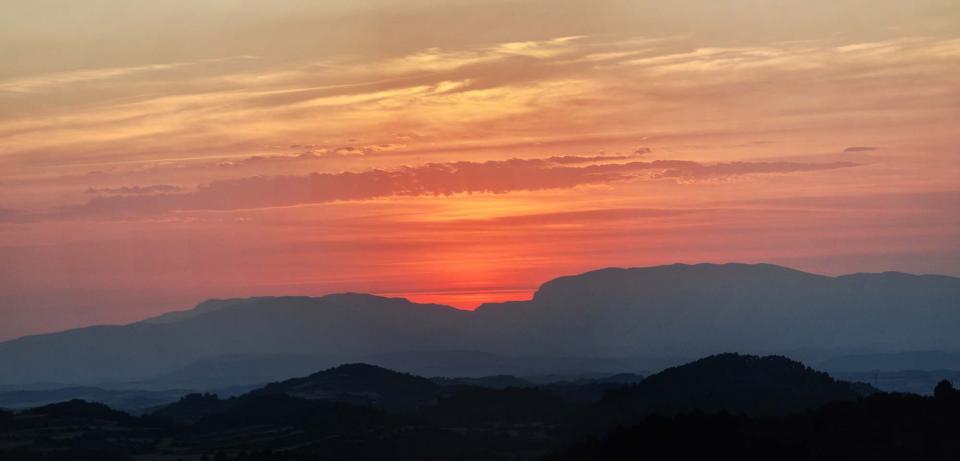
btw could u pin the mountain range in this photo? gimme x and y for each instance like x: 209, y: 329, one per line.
x: 609, y: 320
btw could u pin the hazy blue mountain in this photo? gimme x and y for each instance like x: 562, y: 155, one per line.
x: 585, y: 378
x: 908, y: 381
x: 133, y: 401
x: 489, y: 382
x: 250, y: 370
x: 477, y: 364
x: 350, y: 324
x: 238, y: 373
x: 204, y: 307
x: 600, y: 321
x: 706, y: 308
x: 897, y: 361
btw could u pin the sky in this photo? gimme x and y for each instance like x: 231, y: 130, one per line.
x: 156, y: 154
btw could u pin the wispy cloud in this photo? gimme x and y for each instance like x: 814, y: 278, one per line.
x: 490, y: 95
x: 695, y: 171
x: 440, y: 59
x: 860, y: 149
x: 135, y: 190
x: 36, y: 83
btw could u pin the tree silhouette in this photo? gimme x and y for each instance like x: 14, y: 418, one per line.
x: 944, y: 390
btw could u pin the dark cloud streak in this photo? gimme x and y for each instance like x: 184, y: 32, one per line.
x: 135, y: 190
x: 860, y: 149
x: 695, y: 171
x: 432, y: 179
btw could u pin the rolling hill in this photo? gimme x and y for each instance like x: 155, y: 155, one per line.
x: 737, y: 383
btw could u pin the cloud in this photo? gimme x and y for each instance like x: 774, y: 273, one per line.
x: 860, y: 149
x: 311, y: 152
x: 431, y: 179
x: 567, y: 217
x: 135, y: 190
x: 9, y: 214
x: 695, y: 171
x: 488, y: 95
x: 43, y: 82
x: 936, y: 200
x: 365, y: 149
x: 439, y: 59
x: 578, y: 159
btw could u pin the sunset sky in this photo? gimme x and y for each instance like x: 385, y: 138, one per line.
x: 156, y: 154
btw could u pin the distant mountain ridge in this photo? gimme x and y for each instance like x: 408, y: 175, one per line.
x: 912, y: 360
x: 664, y: 311
x: 746, y: 307
x: 131, y: 400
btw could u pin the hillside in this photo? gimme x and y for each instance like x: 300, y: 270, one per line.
x: 822, y: 417
x: 360, y: 384
x: 737, y: 383
x: 881, y: 426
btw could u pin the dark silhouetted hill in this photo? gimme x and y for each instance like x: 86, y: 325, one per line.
x: 881, y: 426
x: 472, y: 423
x: 512, y: 405
x: 79, y: 410
x: 360, y: 384
x: 208, y: 412
x: 736, y: 383
x: 192, y: 408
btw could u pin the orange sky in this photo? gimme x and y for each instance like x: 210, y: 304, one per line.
x: 155, y: 155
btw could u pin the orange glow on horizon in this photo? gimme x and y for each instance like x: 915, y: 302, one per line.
x: 465, y: 156
x: 468, y: 300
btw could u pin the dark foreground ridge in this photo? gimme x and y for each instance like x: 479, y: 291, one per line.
x: 726, y: 406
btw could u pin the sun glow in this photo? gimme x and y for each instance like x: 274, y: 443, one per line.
x: 461, y: 159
